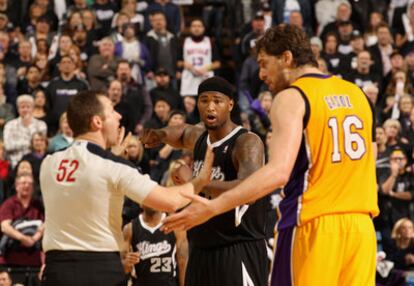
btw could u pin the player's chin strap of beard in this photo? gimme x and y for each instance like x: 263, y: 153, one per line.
x: 218, y: 84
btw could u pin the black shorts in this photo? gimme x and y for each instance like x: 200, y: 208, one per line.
x: 83, y: 268
x: 239, y: 264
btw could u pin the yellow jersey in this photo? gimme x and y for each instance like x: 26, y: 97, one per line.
x: 334, y: 171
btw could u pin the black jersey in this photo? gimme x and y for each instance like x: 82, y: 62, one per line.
x: 157, y: 266
x: 244, y: 223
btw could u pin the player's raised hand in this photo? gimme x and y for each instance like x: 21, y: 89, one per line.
x: 204, y: 177
x: 121, y: 145
x: 151, y: 138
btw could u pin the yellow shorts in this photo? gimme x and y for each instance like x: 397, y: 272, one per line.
x: 327, y: 251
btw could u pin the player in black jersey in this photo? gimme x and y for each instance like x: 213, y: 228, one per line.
x: 159, y: 259
x: 228, y: 249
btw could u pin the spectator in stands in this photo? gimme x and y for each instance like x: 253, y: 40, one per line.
x: 370, y: 35
x: 191, y: 112
x: 159, y: 118
x: 296, y: 19
x: 331, y: 56
x: 105, y: 11
x: 397, y: 185
x: 77, y: 6
x: 18, y: 132
x: 164, y: 89
x: 64, y: 137
x: 281, y: 11
x: 135, y: 95
x: 129, y: 7
x: 64, y: 44
x: 393, y: 92
x: 24, y: 59
x: 40, y: 110
x: 135, y: 52
x: 85, y: 45
x: 102, y: 66
x: 326, y: 12
x: 91, y: 26
x: 248, y: 41
x: 42, y: 63
x: 42, y: 32
x: 5, y: 279
x: 397, y: 64
x: 363, y: 75
x: 22, y: 208
x: 6, y: 112
x: 166, y: 153
x: 343, y: 14
x: 404, y: 38
x: 381, y: 51
x: 30, y: 82
x: 122, y: 107
x: 250, y: 84
x: 260, y: 119
x: 405, y: 106
x: 345, y: 30
x: 316, y: 46
x: 61, y: 89
x: 409, y: 133
x: 136, y: 155
x: 171, y: 11
x: 75, y: 54
x: 401, y: 251
x: 118, y: 31
x: 162, y: 44
x: 371, y: 90
x: 38, y: 152
x: 357, y: 45
x: 392, y: 129
x: 198, y: 58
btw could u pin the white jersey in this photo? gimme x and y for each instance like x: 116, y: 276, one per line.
x: 83, y: 190
x: 200, y: 54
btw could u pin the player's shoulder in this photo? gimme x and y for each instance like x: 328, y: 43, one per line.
x: 247, y: 140
x: 108, y: 156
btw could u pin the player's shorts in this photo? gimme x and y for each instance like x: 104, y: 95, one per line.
x: 327, y: 251
x: 83, y: 268
x: 239, y: 264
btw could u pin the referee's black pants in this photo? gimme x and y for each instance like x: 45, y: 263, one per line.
x: 83, y: 268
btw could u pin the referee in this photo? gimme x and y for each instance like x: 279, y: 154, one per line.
x: 83, y: 188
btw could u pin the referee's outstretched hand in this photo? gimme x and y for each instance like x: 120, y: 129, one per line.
x: 151, y: 138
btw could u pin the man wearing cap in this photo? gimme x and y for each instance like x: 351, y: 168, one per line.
x: 228, y: 249
x: 164, y: 88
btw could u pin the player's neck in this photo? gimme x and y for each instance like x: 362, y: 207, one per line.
x: 152, y: 219
x: 298, y: 72
x: 220, y: 133
x: 93, y: 138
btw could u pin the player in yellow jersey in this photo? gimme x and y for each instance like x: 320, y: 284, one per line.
x: 323, y: 156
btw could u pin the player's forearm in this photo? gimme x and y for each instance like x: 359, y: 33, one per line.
x: 215, y: 188
x: 261, y: 183
x: 173, y: 136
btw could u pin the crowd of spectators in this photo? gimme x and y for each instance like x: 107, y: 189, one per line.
x: 149, y: 56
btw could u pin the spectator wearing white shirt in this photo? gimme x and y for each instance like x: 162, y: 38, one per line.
x: 19, y: 131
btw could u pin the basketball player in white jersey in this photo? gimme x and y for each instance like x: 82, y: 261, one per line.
x: 83, y: 188
x: 199, y: 59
